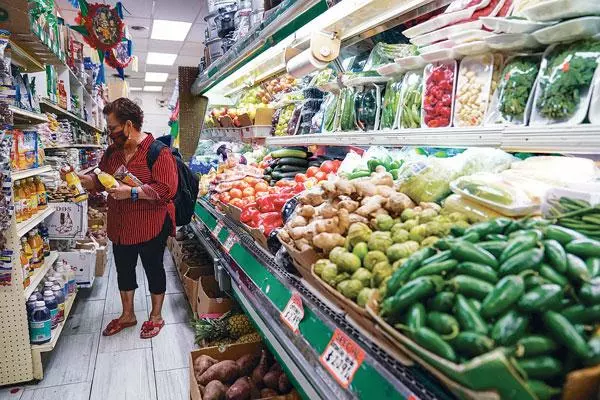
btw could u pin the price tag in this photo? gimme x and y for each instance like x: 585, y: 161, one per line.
x: 230, y: 241
x: 217, y: 229
x: 293, y: 312
x: 342, y: 357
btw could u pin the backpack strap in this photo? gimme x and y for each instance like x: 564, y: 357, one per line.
x: 153, y: 152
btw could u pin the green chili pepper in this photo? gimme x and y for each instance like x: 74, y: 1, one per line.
x: 542, y: 390
x: 577, y: 270
x: 550, y: 274
x: 416, y: 316
x: 479, y: 271
x: 495, y: 226
x: 528, y: 259
x: 535, y: 345
x: 593, y: 265
x: 431, y: 341
x: 442, y: 301
x: 562, y: 235
x: 439, y: 268
x: 503, y: 296
x: 495, y: 247
x: 439, y: 257
x: 590, y: 292
x: 555, y: 255
x: 468, y: 317
x: 400, y: 276
x: 469, y: 286
x: 534, y: 280
x: 580, y: 314
x: 476, y: 304
x: 465, y: 251
x: 444, y: 324
x: 541, y: 367
x: 565, y: 333
x: 472, y: 237
x: 472, y: 344
x: 509, y: 328
x: 495, y: 236
x: 584, y: 248
x: 542, y: 298
x: 518, y: 245
x: 410, y: 293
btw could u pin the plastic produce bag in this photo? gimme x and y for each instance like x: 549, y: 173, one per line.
x: 384, y: 53
x: 440, y: 80
x: 511, y: 102
x: 474, y: 212
x: 367, y: 103
x: 473, y: 90
x: 283, y: 120
x: 410, y: 100
x: 329, y: 108
x: 348, y: 114
x: 390, y: 103
x: 564, y: 88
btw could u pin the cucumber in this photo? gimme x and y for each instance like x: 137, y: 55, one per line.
x: 290, y: 168
x: 283, y: 175
x: 283, y: 153
x: 299, y: 162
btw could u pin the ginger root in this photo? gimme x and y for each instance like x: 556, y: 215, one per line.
x: 303, y: 244
x: 370, y: 205
x: 313, y: 198
x: 382, y: 178
x: 306, y: 211
x: 344, y: 187
x: 352, y: 218
x: 349, y: 205
x: 285, y: 236
x: 327, y: 225
x: 398, y: 202
x: 434, y: 206
x: 298, y: 220
x: 344, y: 220
x: 385, y: 191
x: 327, y: 241
x: 326, y: 210
x: 365, y: 188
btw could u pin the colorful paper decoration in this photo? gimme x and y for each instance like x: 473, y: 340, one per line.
x: 119, y: 57
x: 100, y: 25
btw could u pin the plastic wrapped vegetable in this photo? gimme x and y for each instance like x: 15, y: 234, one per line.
x: 438, y: 92
x: 384, y: 53
x: 284, y: 118
x: 330, y: 108
x: 348, y: 115
x: 366, y: 103
x: 473, y: 90
x: 564, y: 87
x: 410, y: 100
x: 294, y: 122
x: 510, y: 102
x: 390, y: 103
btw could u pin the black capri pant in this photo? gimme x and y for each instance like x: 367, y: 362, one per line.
x: 151, y: 253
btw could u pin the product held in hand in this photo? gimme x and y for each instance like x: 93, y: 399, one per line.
x: 74, y: 184
x: 107, y: 180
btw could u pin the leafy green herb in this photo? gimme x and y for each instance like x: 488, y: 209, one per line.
x: 569, y: 72
x: 516, y: 85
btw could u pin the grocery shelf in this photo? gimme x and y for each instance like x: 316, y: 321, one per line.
x: 59, y: 110
x: 23, y: 59
x: 581, y: 139
x: 37, y: 349
x: 22, y: 117
x: 40, y: 216
x: 16, y: 175
x: 39, y: 274
x: 76, y: 146
x: 263, y: 288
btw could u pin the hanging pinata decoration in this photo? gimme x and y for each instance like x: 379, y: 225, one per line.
x: 100, y: 25
x: 120, y: 57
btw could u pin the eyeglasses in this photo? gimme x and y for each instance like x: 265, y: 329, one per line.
x: 113, y: 129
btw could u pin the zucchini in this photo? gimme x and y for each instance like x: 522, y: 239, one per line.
x: 283, y: 175
x: 290, y: 168
x: 299, y: 162
x: 284, y: 153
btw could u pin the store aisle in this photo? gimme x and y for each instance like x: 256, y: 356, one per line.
x: 86, y: 365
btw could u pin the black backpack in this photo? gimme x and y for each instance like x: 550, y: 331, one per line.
x: 187, y: 185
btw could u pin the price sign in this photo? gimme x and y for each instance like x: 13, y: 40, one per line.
x: 230, y: 241
x: 342, y: 357
x: 293, y: 312
x: 217, y: 229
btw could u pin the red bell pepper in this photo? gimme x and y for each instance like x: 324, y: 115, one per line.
x: 269, y: 221
x: 248, y: 214
x: 265, y: 204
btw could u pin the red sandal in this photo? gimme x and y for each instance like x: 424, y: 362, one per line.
x: 115, y: 326
x: 151, y: 329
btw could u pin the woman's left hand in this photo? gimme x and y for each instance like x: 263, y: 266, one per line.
x: 121, y: 192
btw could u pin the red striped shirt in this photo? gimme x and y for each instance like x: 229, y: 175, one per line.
x: 136, y: 222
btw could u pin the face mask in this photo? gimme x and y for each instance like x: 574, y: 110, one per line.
x: 119, y: 138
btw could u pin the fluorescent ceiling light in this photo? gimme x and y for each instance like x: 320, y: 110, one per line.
x: 135, y: 88
x: 170, y: 30
x: 156, y: 76
x: 152, y: 88
x: 161, y: 58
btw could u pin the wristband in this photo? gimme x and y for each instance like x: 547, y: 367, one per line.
x: 134, y: 194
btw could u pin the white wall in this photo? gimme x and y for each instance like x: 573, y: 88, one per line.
x: 156, y: 118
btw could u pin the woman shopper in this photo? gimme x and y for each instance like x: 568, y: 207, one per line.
x: 139, y: 218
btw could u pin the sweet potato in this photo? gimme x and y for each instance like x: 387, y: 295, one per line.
x: 284, y: 384
x: 271, y: 379
x: 261, y: 369
x: 247, y: 363
x: 225, y: 371
x: 214, y: 390
x: 240, y: 390
x: 203, y: 363
x: 268, y: 392
x: 275, y: 367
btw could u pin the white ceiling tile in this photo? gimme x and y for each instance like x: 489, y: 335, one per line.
x: 191, y: 49
x: 135, y: 82
x: 177, y: 10
x: 132, y: 21
x: 188, y: 61
x: 162, y: 68
x: 137, y: 8
x: 140, y: 45
x: 164, y: 46
x: 196, y: 33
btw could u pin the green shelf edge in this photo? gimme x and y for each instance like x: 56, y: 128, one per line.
x: 367, y: 382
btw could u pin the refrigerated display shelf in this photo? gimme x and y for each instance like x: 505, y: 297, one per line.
x: 267, y: 287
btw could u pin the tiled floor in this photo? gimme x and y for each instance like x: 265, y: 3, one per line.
x: 88, y: 366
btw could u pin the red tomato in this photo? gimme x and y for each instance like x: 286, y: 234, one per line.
x: 235, y: 193
x: 311, y: 171
x: 300, y: 177
x: 327, y: 167
x: 239, y: 203
x: 249, y: 191
x: 321, y: 176
x: 337, y: 164
x: 243, y: 185
x: 261, y: 186
x: 250, y: 180
x: 224, y: 197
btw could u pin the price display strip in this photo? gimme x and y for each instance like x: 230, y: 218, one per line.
x: 342, y: 357
x: 217, y: 229
x: 293, y: 312
x: 230, y: 241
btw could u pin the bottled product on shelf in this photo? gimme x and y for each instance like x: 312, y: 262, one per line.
x: 40, y: 323
x: 30, y: 198
x: 52, y: 305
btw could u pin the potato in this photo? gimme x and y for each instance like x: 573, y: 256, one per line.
x: 275, y: 367
x: 203, y: 363
x: 268, y: 392
x: 225, y: 371
x: 261, y: 369
x: 247, y: 363
x: 284, y: 384
x: 240, y: 390
x: 214, y: 390
x: 271, y: 379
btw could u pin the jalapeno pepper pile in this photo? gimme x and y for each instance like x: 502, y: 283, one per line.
x: 527, y: 286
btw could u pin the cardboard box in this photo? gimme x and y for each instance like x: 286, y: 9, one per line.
x: 84, y: 261
x: 69, y: 221
x: 190, y: 286
x: 101, y: 259
x: 210, y: 301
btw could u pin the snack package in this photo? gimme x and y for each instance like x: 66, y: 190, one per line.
x: 410, y: 100
x: 123, y: 175
x: 564, y: 85
x: 511, y: 102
